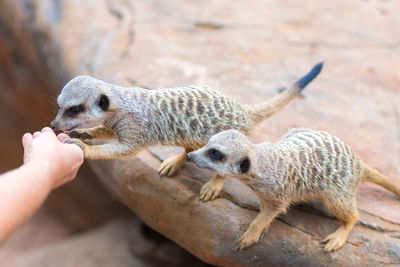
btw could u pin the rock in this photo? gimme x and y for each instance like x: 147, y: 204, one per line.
x: 40, y: 229
x: 106, y: 246
x: 27, y: 103
x: 247, y: 50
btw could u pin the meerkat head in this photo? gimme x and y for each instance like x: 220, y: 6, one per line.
x: 84, y: 102
x: 228, y: 153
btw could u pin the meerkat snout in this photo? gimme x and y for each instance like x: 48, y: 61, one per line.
x: 52, y: 125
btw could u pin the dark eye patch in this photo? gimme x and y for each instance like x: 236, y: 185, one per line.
x: 215, y: 155
x: 104, y: 102
x: 74, y: 110
x: 244, y: 165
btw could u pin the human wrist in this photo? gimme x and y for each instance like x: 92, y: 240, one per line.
x: 40, y: 171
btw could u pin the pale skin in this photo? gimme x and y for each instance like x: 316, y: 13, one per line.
x: 49, y: 162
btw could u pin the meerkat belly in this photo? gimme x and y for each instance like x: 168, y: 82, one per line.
x: 189, y: 117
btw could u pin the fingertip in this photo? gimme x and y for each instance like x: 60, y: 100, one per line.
x: 36, y: 134
x: 47, y: 130
x: 26, y: 140
x: 62, y: 137
x: 79, y: 151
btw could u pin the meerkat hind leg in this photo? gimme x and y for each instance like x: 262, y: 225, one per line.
x: 212, y: 188
x: 172, y: 165
x: 349, y: 215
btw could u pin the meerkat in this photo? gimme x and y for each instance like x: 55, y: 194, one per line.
x: 91, y: 109
x: 304, y: 165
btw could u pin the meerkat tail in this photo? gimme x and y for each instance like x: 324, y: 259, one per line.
x: 270, y: 107
x: 371, y: 175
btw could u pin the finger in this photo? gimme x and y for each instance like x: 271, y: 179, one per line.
x: 72, y: 176
x: 62, y: 137
x: 36, y: 134
x: 77, y: 146
x: 26, y: 140
x: 80, y: 155
x: 47, y: 130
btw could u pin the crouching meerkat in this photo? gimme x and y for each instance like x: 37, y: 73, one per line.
x: 91, y: 109
x: 304, y: 165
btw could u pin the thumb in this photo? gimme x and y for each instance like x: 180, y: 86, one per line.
x: 62, y: 137
x: 76, y: 152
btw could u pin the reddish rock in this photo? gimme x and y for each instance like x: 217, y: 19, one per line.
x: 29, y: 88
x: 105, y: 246
x: 247, y: 50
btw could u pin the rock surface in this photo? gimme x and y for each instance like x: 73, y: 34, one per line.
x: 29, y: 88
x: 41, y: 229
x: 106, y: 246
x: 247, y: 50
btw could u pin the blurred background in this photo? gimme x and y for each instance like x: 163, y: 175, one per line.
x: 246, y: 49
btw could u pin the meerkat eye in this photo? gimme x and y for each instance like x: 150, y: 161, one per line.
x: 104, y: 102
x: 244, y: 165
x: 215, y: 155
x: 74, y: 110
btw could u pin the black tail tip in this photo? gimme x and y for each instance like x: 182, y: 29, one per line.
x: 317, y: 68
x: 304, y: 81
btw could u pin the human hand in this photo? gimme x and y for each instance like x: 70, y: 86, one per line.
x: 59, y: 161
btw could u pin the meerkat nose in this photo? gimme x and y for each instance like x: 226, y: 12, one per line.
x: 189, y: 156
x: 52, y: 125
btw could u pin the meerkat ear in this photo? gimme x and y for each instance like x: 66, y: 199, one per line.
x: 244, y: 165
x: 104, y: 102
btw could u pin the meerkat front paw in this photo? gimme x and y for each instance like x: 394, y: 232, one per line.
x: 211, y: 190
x: 246, y: 240
x: 80, y: 134
x: 172, y: 165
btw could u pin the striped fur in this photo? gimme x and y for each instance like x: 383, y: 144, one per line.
x: 304, y: 165
x: 182, y: 116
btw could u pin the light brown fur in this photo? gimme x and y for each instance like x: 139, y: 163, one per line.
x: 304, y: 165
x: 91, y: 109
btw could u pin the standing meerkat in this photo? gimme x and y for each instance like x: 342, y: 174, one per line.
x: 304, y: 165
x: 184, y: 116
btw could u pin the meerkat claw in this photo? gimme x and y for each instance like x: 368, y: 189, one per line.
x: 206, y: 194
x: 211, y: 189
x: 335, y: 240
x: 171, y: 165
x: 246, y: 240
x: 236, y: 247
x: 167, y: 169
